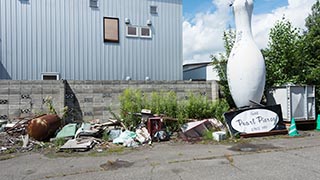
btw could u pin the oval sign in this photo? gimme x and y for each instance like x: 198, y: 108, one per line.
x: 255, y: 121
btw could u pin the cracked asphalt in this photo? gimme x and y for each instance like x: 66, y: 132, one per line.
x: 260, y: 158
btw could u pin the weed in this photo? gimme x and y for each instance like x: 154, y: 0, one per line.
x: 208, y: 135
x: 59, y: 142
x: 196, y: 106
x: 6, y: 157
x: 105, y: 136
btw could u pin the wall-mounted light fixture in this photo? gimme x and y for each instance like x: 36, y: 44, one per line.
x: 128, y: 78
x: 127, y: 20
x: 149, y: 22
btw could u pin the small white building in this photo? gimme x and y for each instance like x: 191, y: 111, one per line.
x: 199, y: 71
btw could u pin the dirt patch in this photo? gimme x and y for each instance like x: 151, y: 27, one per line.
x: 248, y: 147
x: 117, y: 164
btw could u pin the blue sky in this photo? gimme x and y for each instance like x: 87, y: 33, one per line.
x: 191, y: 7
x: 205, y: 21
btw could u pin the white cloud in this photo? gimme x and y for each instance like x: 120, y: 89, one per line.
x: 295, y: 12
x: 202, y: 35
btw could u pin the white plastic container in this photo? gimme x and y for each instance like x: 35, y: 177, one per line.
x: 219, y: 135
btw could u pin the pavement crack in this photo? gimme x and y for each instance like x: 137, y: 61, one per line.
x: 177, y: 172
x: 231, y: 161
x: 284, y: 149
x: 72, y: 173
x: 153, y: 167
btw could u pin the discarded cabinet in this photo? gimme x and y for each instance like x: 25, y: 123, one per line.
x: 154, y: 124
x: 297, y: 102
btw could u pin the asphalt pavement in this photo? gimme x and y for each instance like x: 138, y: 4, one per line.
x: 277, y: 157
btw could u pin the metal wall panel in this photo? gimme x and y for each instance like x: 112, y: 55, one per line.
x: 66, y: 36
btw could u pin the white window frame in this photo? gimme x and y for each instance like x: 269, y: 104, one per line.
x: 130, y: 35
x: 143, y: 36
x: 50, y: 74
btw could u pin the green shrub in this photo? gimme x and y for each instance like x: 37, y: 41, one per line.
x: 163, y: 103
x: 131, y: 101
x: 194, y: 107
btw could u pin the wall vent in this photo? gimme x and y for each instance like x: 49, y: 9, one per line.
x: 93, y: 3
x: 50, y: 76
x: 153, y: 10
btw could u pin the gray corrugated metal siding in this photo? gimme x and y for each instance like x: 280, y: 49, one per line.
x: 66, y: 36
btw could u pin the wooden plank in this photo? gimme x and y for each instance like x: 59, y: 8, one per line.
x: 271, y: 133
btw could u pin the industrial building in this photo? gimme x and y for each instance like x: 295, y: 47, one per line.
x: 91, y: 39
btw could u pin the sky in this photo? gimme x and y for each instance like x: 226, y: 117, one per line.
x: 206, y: 20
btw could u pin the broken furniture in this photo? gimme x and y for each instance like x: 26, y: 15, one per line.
x: 196, y: 129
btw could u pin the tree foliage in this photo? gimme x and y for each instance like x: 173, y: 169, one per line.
x: 311, y: 50
x: 220, y: 65
x: 294, y: 57
x: 282, y: 55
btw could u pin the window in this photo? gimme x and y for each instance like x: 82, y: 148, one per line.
x: 50, y: 76
x: 153, y: 10
x: 145, y: 32
x: 110, y: 29
x: 132, y: 31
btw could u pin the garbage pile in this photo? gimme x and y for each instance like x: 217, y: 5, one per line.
x: 23, y: 134
x: 14, y: 135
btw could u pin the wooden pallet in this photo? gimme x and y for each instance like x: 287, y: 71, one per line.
x: 303, y: 125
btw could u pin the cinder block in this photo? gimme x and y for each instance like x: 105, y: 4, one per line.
x: 97, y: 113
x: 4, y: 111
x: 46, y: 91
x: 14, y: 113
x: 36, y: 89
x: 100, y: 89
x: 99, y: 108
x: 4, y: 90
x: 4, y: 83
x: 14, y: 98
x: 14, y: 91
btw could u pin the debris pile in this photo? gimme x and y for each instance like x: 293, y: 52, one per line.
x: 14, y: 136
x: 24, y: 134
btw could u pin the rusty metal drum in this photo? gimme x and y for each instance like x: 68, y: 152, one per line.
x: 44, y: 127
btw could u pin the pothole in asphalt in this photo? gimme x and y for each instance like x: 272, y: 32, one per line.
x: 117, y: 164
x: 247, y: 147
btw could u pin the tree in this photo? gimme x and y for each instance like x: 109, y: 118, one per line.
x: 310, y: 51
x: 294, y: 57
x: 220, y: 65
x: 283, y: 64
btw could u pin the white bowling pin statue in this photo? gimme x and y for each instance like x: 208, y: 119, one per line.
x: 246, y: 67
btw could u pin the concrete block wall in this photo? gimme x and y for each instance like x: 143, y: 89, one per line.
x: 90, y: 99
x: 20, y: 98
x: 86, y: 100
